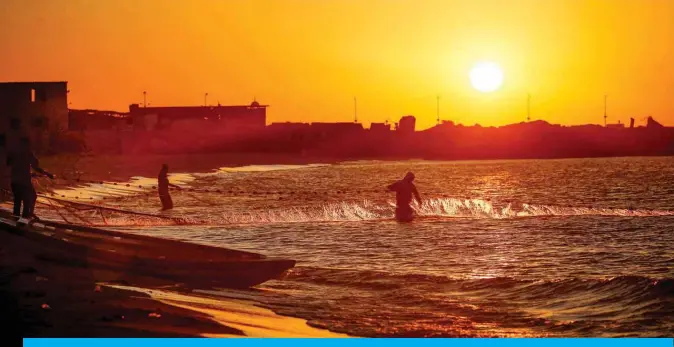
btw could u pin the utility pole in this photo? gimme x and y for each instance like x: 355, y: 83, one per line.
x: 206, y: 99
x: 528, y: 107
x: 144, y: 99
x: 355, y: 110
x: 437, y: 106
x: 605, y: 96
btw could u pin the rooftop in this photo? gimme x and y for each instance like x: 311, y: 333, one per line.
x: 33, y: 82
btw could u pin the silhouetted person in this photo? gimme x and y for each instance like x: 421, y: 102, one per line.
x: 404, y: 190
x: 21, y: 161
x: 163, y: 188
x: 4, y: 172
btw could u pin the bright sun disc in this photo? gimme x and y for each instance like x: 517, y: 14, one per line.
x: 486, y: 77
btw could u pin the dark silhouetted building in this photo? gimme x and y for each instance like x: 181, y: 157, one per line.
x: 34, y: 103
x: 336, y: 129
x: 32, y: 108
x: 407, y: 124
x: 288, y: 131
x: 251, y: 117
x: 82, y: 120
x: 616, y: 126
x: 380, y: 127
x: 289, y: 126
x: 652, y: 123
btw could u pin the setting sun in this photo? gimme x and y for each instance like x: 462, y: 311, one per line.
x: 486, y: 77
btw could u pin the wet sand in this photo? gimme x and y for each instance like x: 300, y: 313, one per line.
x: 123, y: 167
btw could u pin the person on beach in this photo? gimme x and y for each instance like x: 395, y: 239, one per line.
x: 404, y: 190
x: 4, y: 172
x: 21, y: 161
x: 163, y: 188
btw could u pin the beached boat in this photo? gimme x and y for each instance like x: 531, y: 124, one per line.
x: 121, y: 255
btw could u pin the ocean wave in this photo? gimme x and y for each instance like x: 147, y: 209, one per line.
x: 479, y: 208
x: 604, y: 290
x: 348, y: 211
x: 417, y: 304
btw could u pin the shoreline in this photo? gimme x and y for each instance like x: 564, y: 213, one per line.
x: 118, y: 167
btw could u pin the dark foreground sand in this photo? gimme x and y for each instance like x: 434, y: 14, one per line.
x: 44, y: 298
x: 43, y: 295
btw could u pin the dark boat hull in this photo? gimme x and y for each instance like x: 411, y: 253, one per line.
x: 123, y: 256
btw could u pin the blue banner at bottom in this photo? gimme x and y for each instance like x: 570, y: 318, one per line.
x: 357, y: 342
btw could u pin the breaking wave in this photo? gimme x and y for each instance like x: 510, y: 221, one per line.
x: 371, y: 211
x: 433, y: 208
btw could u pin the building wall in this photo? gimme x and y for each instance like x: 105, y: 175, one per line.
x: 40, y: 106
x: 234, y: 118
x: 407, y: 124
x: 56, y: 105
x: 83, y: 120
x: 380, y: 127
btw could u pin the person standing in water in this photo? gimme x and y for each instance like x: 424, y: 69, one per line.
x: 404, y: 190
x: 163, y: 188
x: 21, y: 161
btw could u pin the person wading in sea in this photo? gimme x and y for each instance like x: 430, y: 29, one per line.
x: 163, y: 188
x: 21, y: 161
x: 404, y: 190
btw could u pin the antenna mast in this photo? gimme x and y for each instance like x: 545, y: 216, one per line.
x: 438, y: 108
x: 528, y: 107
x: 355, y: 110
x: 605, y: 96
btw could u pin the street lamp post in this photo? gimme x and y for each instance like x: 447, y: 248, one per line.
x: 605, y: 116
x: 528, y: 107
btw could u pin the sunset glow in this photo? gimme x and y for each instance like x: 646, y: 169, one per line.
x: 309, y: 59
x: 337, y: 168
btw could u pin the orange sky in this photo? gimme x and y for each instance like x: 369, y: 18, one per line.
x: 309, y: 58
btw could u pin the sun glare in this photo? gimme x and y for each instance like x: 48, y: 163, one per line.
x: 486, y: 77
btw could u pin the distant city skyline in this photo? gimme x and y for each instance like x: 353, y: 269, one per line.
x: 309, y: 59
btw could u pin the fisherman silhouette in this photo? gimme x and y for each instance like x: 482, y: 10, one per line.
x: 21, y: 161
x: 4, y: 172
x: 163, y: 188
x: 404, y: 190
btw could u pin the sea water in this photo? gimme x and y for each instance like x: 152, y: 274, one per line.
x: 576, y: 247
